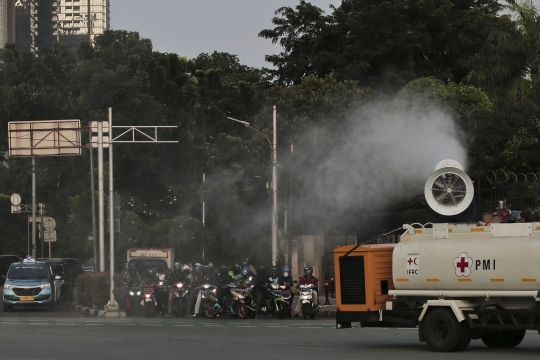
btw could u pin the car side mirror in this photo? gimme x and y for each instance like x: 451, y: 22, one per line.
x: 57, y: 277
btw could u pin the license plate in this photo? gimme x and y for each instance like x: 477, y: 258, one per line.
x: 27, y: 298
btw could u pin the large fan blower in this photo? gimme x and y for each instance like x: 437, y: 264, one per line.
x: 449, y: 190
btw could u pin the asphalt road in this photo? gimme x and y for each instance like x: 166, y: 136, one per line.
x: 63, y: 334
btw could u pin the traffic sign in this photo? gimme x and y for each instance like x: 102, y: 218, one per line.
x: 49, y: 236
x: 15, y: 199
x: 49, y: 223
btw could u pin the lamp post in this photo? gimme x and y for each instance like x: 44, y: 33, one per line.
x: 274, y: 179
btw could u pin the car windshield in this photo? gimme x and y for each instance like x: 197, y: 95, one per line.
x: 143, y: 265
x: 17, y: 272
x: 89, y: 262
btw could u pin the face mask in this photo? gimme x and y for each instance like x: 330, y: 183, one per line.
x: 286, y: 273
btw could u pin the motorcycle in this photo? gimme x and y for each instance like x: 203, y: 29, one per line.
x: 162, y: 295
x: 287, y: 296
x: 237, y: 306
x: 132, y: 299
x: 180, y: 299
x: 209, y: 300
x: 149, y: 302
x: 309, y: 309
x: 274, y: 304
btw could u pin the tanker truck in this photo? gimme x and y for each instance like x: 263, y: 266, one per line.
x: 454, y: 281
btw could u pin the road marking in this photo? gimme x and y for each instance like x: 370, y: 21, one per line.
x: 123, y: 324
x: 152, y: 324
x: 183, y: 325
x: 65, y: 324
x: 277, y: 326
x: 310, y: 327
x: 40, y: 323
x: 214, y: 325
x: 94, y: 324
x: 243, y: 326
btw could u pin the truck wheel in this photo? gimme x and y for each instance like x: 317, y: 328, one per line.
x: 499, y: 339
x: 443, y: 333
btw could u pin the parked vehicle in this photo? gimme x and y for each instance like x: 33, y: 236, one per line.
x: 88, y: 266
x: 59, y: 269
x: 309, y: 309
x: 180, y: 300
x: 30, y: 283
x: 143, y: 265
x: 149, y: 302
x: 5, y: 263
x: 165, y: 254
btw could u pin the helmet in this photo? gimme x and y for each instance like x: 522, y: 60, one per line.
x: 132, y: 267
x: 236, y: 269
x: 261, y: 270
x: 223, y: 269
x: 160, y: 268
x: 274, y: 271
x: 245, y: 262
x: 198, y: 267
x: 210, y: 265
x: 286, y: 271
x: 151, y: 272
x: 177, y: 266
x: 126, y: 265
x: 308, y: 271
x: 185, y: 269
x: 245, y: 271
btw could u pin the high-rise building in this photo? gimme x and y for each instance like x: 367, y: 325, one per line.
x: 34, y: 24
x: 7, y: 21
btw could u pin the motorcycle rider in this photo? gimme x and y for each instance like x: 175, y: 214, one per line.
x: 308, y: 278
x: 223, y: 279
x: 132, y: 278
x: 235, y: 272
x: 260, y: 284
x: 274, y: 278
x: 207, y: 277
x: 287, y: 280
x: 177, y: 275
x: 150, y: 277
x: 195, y: 282
x: 162, y: 276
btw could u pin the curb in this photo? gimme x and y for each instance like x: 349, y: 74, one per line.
x: 329, y: 314
x: 86, y: 311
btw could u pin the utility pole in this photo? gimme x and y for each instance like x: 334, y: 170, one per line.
x: 100, y: 198
x: 33, y: 208
x: 274, y: 192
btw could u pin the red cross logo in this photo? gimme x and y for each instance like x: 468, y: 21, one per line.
x: 462, y: 265
x: 410, y: 261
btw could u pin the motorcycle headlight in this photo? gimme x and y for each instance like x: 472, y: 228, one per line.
x: 206, y: 286
x: 146, y: 295
x: 275, y: 286
x: 131, y: 293
x: 138, y: 293
x: 283, y: 287
x: 179, y: 285
x: 160, y: 283
x: 45, y: 286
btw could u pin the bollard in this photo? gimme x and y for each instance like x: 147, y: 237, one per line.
x: 332, y: 287
x: 327, y: 302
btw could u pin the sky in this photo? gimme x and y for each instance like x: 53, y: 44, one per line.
x: 191, y: 27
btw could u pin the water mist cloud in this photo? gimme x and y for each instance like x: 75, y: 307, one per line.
x: 384, y: 150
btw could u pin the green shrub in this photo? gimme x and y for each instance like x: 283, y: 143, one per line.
x: 94, y: 289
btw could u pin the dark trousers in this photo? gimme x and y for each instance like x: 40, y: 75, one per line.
x: 260, y: 298
x: 193, y: 300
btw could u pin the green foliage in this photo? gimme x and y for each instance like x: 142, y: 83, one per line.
x: 94, y: 289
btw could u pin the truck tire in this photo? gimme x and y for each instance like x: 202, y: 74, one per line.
x: 443, y: 333
x: 499, y: 339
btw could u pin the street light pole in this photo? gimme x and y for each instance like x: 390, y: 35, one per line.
x: 274, y: 192
x: 273, y: 157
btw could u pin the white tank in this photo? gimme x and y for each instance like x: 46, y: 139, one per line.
x: 467, y: 257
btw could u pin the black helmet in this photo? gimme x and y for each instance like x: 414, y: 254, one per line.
x: 308, y: 271
x: 132, y: 267
x: 177, y: 266
x: 261, y: 270
x: 236, y: 269
x: 274, y: 271
x: 223, y: 269
x: 160, y: 268
x: 245, y: 262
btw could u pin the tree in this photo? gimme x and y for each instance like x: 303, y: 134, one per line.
x: 382, y: 43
